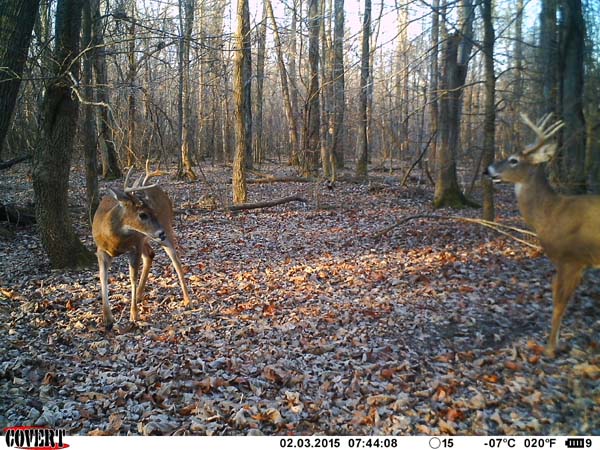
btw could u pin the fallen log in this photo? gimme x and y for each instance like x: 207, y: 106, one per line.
x: 12, y: 162
x: 284, y: 179
x: 266, y: 204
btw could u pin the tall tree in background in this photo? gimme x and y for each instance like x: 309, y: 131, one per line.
x: 52, y: 158
x: 402, y: 78
x: 260, y: 81
x: 242, y: 82
x: 131, y: 83
x: 571, y: 163
x: 88, y: 126
x: 327, y: 162
x: 489, y: 124
x: 16, y: 25
x: 517, y: 141
x: 108, y: 153
x: 434, y: 76
x: 292, y: 78
x: 312, y: 141
x: 548, y: 61
x: 285, y: 88
x: 363, y: 135
x: 186, y: 25
x: 456, y: 54
x: 339, y: 101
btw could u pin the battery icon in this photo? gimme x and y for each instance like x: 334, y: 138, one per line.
x: 575, y: 443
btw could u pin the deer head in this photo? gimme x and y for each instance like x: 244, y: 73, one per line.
x: 520, y: 167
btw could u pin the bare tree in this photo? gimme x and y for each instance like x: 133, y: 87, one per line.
x: 339, y: 101
x: 186, y: 24
x: 88, y: 128
x: 363, y: 135
x: 287, y: 98
x: 260, y: 81
x: 243, y: 96
x: 571, y: 164
x: 52, y: 158
x: 457, y: 51
x: 18, y: 17
x: 109, y: 158
x: 313, y: 126
x: 489, y: 126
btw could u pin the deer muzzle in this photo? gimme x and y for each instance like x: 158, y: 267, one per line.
x: 492, y: 173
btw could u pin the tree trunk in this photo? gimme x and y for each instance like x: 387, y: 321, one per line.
x: 517, y: 141
x: 548, y: 56
x: 88, y: 130
x: 260, y: 78
x: 401, y: 86
x: 339, y: 101
x: 109, y: 158
x: 52, y: 158
x: 363, y: 135
x: 326, y: 88
x: 292, y: 80
x: 312, y: 143
x: 131, y: 73
x: 457, y: 51
x: 571, y: 163
x: 489, y: 126
x: 186, y: 21
x: 16, y: 24
x: 287, y: 100
x: 434, y: 77
x: 242, y: 81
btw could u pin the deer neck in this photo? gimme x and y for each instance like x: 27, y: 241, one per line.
x: 536, y: 198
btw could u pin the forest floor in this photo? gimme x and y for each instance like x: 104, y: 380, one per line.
x: 303, y: 322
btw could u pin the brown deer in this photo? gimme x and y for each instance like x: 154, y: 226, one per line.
x: 125, y: 222
x: 567, y: 226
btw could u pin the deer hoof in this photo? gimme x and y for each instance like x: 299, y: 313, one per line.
x: 550, y: 352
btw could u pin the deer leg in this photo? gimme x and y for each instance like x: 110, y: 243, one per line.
x: 147, y: 257
x: 104, y: 262
x: 134, y: 264
x: 566, y: 280
x: 170, y: 250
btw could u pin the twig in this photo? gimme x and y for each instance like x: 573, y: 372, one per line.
x: 498, y: 227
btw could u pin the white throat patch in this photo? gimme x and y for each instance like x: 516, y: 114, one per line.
x: 518, y: 188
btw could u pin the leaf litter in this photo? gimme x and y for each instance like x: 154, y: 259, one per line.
x: 302, y: 323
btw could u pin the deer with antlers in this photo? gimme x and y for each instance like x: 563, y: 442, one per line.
x: 125, y: 223
x: 568, y: 226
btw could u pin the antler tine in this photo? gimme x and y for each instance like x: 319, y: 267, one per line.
x: 542, y: 122
x: 529, y: 123
x: 542, y: 135
x: 129, y: 170
x: 552, y: 129
x: 151, y: 173
x: 138, y: 182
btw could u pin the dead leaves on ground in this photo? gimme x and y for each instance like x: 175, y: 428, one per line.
x: 301, y: 323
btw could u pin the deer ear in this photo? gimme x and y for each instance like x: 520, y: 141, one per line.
x: 120, y: 196
x: 543, y: 154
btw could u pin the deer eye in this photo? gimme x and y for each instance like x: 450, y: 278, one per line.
x: 143, y: 216
x: 513, y: 161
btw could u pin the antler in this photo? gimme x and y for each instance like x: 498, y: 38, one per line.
x: 150, y: 174
x: 542, y: 135
x: 137, y: 185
